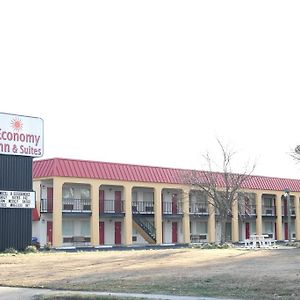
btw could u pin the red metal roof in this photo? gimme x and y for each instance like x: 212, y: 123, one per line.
x: 124, y: 172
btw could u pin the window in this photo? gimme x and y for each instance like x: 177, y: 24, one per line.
x: 68, y: 192
x: 148, y: 196
x: 134, y: 196
x: 85, y: 228
x: 85, y: 193
x: 268, y: 227
x: 76, y: 192
x: 201, y: 227
x: 67, y: 228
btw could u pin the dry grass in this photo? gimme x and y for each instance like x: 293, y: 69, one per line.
x: 265, y: 274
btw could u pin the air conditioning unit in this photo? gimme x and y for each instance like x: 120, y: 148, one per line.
x: 68, y: 207
x: 202, y: 237
x: 87, y: 207
x: 269, y: 212
x: 294, y: 235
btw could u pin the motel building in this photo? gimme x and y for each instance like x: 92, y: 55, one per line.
x: 89, y: 203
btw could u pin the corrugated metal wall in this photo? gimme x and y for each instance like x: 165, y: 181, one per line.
x: 15, y: 173
x: 15, y: 223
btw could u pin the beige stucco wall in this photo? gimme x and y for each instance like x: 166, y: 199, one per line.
x: 95, y: 184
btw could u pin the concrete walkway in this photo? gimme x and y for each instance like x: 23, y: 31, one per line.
x: 12, y: 293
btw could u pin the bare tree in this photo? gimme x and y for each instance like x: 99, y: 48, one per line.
x: 295, y: 154
x: 222, y: 189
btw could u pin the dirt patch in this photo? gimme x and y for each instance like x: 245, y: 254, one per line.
x: 265, y: 274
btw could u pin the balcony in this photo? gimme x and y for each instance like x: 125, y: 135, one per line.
x: 142, y: 207
x: 46, y: 205
x: 199, y: 208
x: 249, y: 210
x: 172, y: 208
x: 76, y: 205
x: 268, y: 210
x: 112, y: 207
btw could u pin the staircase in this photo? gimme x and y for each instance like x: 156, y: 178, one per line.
x: 145, y: 229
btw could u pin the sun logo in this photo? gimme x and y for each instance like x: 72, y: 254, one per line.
x: 16, y: 124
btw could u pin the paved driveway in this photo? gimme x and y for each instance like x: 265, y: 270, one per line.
x: 11, y: 293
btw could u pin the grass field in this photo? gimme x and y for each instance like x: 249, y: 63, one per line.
x: 231, y: 273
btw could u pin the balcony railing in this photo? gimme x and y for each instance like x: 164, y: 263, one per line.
x: 172, y: 208
x: 76, y: 205
x: 199, y: 208
x: 268, y: 210
x: 112, y: 206
x: 249, y: 210
x: 143, y: 207
x: 46, y: 205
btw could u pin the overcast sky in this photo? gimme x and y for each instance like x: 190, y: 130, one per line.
x: 156, y: 82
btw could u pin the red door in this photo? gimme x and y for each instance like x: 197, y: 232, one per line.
x: 101, y: 233
x: 49, y: 199
x: 118, y: 227
x: 101, y: 201
x: 247, y: 230
x: 286, y: 231
x: 118, y: 208
x: 49, y: 231
x: 174, y: 204
x: 174, y: 232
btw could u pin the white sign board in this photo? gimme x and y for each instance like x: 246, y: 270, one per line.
x: 17, y: 199
x: 21, y: 135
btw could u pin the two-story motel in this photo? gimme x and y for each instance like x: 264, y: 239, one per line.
x: 89, y: 203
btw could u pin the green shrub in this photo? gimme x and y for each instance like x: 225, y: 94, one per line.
x: 31, y: 249
x: 293, y: 244
x: 47, y: 246
x: 11, y: 250
x: 213, y: 246
x: 225, y: 246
